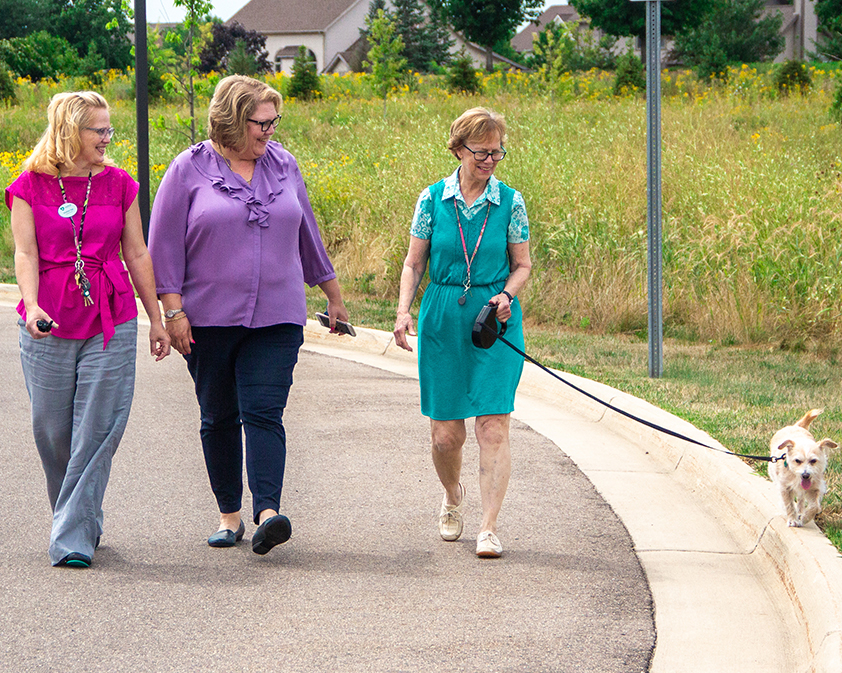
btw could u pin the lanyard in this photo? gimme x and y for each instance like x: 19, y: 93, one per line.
x: 82, y: 281
x: 468, y: 262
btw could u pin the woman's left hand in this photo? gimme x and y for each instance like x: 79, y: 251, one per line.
x: 159, y: 341
x: 504, y: 307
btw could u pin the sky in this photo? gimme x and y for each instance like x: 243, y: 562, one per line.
x: 163, y: 11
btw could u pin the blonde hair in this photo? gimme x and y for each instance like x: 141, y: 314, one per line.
x: 234, y: 100
x: 61, y: 143
x: 475, y: 124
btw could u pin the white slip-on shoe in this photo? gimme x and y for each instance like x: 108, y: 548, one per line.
x: 488, y: 546
x: 450, y: 518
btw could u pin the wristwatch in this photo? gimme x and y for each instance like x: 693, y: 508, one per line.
x: 173, y: 312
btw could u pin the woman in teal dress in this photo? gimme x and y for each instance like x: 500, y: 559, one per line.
x: 473, y: 231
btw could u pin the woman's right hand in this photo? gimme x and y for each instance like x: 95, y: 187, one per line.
x: 32, y: 317
x: 403, y: 327
x: 181, y: 335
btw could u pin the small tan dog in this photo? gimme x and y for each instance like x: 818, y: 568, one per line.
x: 799, y: 474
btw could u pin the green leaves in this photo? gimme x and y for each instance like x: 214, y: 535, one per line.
x: 385, y: 55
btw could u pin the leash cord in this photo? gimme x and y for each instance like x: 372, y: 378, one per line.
x: 654, y: 426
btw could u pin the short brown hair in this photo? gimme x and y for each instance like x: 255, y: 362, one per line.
x: 234, y: 100
x: 67, y: 114
x: 475, y: 124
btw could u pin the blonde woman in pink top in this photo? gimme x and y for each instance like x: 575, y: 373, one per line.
x: 73, y: 214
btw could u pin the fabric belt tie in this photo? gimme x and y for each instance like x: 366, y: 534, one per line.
x: 112, y: 285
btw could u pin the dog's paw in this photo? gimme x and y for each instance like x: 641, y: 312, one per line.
x: 795, y: 523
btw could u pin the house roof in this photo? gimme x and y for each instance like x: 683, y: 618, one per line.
x: 291, y: 16
x: 523, y: 40
x: 353, y: 57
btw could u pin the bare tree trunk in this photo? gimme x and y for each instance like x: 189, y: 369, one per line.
x: 489, y: 59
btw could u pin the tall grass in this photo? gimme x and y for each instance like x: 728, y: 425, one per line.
x: 751, y: 185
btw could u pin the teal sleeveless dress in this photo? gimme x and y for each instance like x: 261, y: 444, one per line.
x: 459, y: 380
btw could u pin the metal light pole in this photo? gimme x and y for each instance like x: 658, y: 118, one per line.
x: 653, y: 185
x: 141, y: 73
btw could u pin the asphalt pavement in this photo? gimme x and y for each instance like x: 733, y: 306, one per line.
x: 364, y: 584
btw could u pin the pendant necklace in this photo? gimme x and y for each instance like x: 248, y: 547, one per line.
x: 467, y: 283
x: 68, y: 210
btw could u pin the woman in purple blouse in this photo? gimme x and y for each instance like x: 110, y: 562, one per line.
x: 234, y: 239
x: 73, y: 214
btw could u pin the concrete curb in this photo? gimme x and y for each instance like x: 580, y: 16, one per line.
x: 803, y: 561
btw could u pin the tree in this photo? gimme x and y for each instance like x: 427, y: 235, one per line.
x: 731, y: 32
x: 185, y: 44
x: 82, y: 22
x: 425, y: 38
x: 486, y: 22
x: 19, y: 19
x: 829, y: 14
x: 239, y: 61
x: 39, y: 56
x: 622, y: 17
x: 305, y: 80
x: 462, y: 76
x: 224, y: 40
x: 561, y: 47
x: 384, y: 57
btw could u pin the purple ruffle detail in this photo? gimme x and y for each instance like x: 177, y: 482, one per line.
x: 267, y: 183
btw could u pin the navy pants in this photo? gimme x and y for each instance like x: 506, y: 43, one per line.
x: 243, y: 376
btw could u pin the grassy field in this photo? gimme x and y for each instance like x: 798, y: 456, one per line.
x: 752, y: 189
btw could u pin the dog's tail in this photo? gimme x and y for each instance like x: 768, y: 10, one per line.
x: 808, y: 418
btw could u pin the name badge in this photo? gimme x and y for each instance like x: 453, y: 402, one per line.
x: 67, y: 210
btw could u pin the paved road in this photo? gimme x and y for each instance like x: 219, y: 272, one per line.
x: 365, y: 584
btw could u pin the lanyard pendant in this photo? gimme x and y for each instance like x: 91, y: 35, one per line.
x: 83, y: 283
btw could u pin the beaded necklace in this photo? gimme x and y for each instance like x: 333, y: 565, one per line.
x: 68, y: 210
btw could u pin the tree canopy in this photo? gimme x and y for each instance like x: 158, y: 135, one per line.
x: 487, y: 22
x: 425, y: 39
x: 731, y: 32
x: 623, y: 17
x: 224, y: 40
x: 80, y: 22
x: 829, y: 14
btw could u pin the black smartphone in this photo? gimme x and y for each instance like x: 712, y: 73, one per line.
x: 341, y: 325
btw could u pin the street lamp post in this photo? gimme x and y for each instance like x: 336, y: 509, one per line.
x: 141, y: 73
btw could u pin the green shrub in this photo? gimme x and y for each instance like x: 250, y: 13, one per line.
x: 630, y: 76
x: 7, y: 85
x: 836, y: 106
x: 792, y: 76
x: 304, y: 84
x: 462, y: 76
x: 39, y: 56
x: 239, y: 61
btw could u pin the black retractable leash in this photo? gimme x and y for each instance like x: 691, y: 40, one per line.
x: 484, y: 334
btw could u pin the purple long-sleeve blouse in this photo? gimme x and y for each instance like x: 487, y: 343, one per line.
x: 237, y: 253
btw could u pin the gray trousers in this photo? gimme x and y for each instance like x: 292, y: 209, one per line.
x: 80, y: 396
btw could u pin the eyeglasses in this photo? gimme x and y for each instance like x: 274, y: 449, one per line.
x: 481, y: 155
x: 104, y: 132
x: 265, y: 126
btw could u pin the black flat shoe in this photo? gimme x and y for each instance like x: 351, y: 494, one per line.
x: 274, y: 531
x: 75, y: 560
x: 227, y: 538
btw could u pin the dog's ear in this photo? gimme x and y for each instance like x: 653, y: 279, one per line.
x: 786, y: 446
x: 827, y: 445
